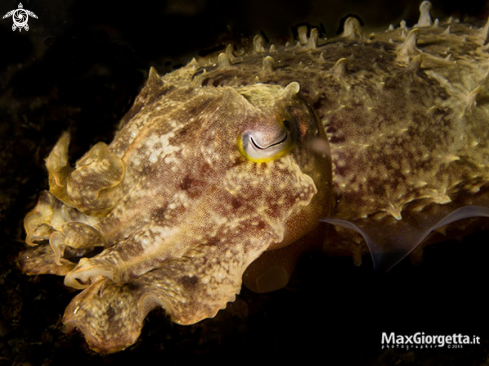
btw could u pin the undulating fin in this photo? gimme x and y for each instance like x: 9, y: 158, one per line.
x: 390, y: 240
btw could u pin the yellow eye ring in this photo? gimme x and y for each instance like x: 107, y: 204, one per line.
x: 250, y: 144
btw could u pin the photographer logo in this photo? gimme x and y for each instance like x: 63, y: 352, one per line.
x: 20, y: 17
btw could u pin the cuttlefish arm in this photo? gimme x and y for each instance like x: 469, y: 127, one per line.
x: 190, y: 289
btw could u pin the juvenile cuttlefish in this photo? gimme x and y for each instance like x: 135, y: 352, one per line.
x: 223, y: 164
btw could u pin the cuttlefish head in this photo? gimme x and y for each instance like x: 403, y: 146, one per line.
x: 289, y: 144
x: 203, y: 188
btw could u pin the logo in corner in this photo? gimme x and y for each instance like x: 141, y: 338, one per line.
x: 20, y: 17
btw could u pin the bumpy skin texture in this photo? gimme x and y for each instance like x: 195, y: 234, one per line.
x: 389, y: 135
x: 176, y: 208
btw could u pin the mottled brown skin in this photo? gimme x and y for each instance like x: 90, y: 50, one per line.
x: 391, y: 130
x: 182, y: 222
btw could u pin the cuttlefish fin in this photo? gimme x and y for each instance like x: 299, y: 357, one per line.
x: 389, y: 241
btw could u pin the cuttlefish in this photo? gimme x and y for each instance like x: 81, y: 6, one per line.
x: 227, y: 169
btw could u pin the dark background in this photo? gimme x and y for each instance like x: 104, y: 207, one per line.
x: 79, y: 68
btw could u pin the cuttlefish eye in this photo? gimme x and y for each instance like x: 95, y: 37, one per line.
x: 263, y: 146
